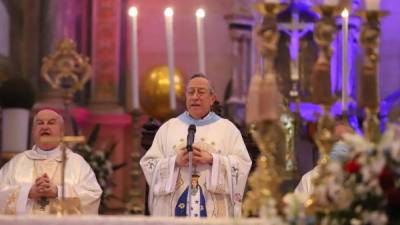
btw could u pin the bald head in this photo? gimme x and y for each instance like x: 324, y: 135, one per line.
x: 47, y: 125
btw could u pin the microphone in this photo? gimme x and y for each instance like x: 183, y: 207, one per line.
x: 190, y: 137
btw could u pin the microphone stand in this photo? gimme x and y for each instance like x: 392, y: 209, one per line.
x: 189, y: 203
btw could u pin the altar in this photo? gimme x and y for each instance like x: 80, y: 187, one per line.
x: 122, y: 220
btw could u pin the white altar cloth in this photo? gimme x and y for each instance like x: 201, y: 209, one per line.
x: 122, y: 220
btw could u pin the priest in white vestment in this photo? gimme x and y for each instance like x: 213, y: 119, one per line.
x: 30, y: 183
x: 221, y: 162
x: 339, y: 152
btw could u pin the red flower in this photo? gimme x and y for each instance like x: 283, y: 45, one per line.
x: 386, y: 179
x: 352, y: 166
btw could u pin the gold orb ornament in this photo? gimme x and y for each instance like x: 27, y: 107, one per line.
x: 154, y: 92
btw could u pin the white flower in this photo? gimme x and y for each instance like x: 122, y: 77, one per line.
x: 358, y: 143
x: 374, y: 218
x: 294, y: 205
x: 100, y: 154
x: 395, y: 150
x: 355, y: 221
x: 109, y: 167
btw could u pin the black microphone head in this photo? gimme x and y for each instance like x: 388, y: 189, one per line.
x: 192, y: 128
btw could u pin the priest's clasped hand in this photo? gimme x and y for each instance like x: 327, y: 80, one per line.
x: 43, y: 188
x: 200, y: 157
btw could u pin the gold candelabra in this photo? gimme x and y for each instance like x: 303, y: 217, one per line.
x: 369, y: 86
x: 264, y: 103
x: 324, y: 34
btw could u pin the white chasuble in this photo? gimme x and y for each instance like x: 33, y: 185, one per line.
x: 220, y: 185
x: 306, y: 184
x: 19, y: 174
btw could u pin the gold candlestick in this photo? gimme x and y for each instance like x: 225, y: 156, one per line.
x: 265, y: 127
x: 324, y: 34
x: 369, y: 85
x: 264, y: 181
x: 135, y: 194
x: 268, y: 34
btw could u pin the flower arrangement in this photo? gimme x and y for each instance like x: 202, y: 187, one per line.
x: 99, y: 160
x: 364, y: 188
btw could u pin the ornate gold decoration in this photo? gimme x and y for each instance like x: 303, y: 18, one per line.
x: 264, y: 181
x: 154, y: 92
x: 324, y: 34
x: 68, y: 206
x: 11, y: 203
x: 268, y: 34
x: 263, y: 117
x: 369, y: 88
x: 66, y: 69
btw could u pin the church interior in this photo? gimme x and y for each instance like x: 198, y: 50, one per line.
x: 285, y: 72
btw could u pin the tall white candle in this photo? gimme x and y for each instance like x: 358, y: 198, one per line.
x: 200, y: 39
x: 168, y: 12
x: 134, y: 65
x: 331, y: 2
x: 372, y: 4
x: 345, y: 44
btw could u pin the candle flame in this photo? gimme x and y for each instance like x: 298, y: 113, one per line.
x: 345, y: 13
x: 133, y: 11
x: 200, y: 13
x: 169, y: 12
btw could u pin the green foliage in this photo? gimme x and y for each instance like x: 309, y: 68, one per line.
x: 17, y: 92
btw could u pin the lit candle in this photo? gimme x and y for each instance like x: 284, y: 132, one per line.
x: 200, y: 39
x: 331, y: 2
x: 168, y: 12
x: 345, y: 35
x: 134, y: 65
x: 271, y: 1
x: 372, y: 4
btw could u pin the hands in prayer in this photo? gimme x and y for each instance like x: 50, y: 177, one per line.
x: 200, y: 157
x: 43, y: 188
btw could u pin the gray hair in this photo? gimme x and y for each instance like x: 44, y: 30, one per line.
x: 210, y: 86
x: 60, y: 119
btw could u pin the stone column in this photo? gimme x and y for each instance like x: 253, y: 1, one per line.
x: 240, y: 27
x: 106, y: 16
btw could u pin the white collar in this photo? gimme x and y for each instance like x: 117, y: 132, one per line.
x: 37, y: 153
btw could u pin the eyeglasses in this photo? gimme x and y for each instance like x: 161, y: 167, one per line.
x: 199, y: 91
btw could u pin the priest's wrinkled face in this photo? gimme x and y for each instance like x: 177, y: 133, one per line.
x: 48, y: 128
x: 200, y: 96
